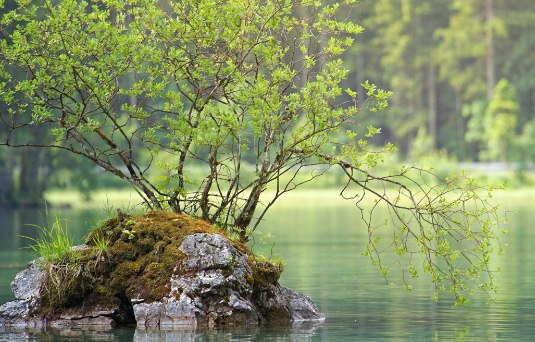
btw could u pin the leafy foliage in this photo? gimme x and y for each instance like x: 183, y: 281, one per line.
x: 247, y: 91
x: 443, y: 227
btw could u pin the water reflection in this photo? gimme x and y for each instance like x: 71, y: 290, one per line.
x: 322, y: 243
x: 299, y: 332
x: 51, y: 334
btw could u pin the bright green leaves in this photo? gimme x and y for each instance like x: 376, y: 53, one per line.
x: 441, y: 229
x: 372, y: 131
x: 378, y: 96
x: 72, y: 54
x: 351, y: 93
x: 40, y: 115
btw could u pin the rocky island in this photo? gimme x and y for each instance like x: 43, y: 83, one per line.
x: 155, y: 270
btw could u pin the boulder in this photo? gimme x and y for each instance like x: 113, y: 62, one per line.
x: 26, y: 311
x: 215, y: 288
x: 212, y: 283
x: 25, y: 287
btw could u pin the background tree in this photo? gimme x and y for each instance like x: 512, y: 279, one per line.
x: 151, y: 92
x: 402, y: 59
x: 23, y: 174
x: 500, y: 123
x: 442, y: 59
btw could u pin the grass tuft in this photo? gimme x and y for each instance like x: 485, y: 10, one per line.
x: 101, y: 242
x: 52, y: 243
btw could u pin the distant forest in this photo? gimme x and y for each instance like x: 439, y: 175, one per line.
x: 462, y: 73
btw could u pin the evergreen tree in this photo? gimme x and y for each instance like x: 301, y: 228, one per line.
x: 499, y: 123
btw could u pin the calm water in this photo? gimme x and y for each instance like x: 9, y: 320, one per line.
x: 322, y: 241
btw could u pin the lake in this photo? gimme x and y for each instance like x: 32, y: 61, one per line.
x: 321, y: 239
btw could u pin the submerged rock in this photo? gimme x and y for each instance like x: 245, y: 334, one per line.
x: 186, y: 275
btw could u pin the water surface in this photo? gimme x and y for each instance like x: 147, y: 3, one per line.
x: 321, y: 240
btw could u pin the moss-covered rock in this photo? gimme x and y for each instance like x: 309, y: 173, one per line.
x: 161, y: 269
x: 143, y: 251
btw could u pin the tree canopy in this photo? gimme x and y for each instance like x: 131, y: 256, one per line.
x: 247, y: 91
x: 442, y: 59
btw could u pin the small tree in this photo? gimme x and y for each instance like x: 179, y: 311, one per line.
x: 500, y: 123
x: 150, y: 90
x: 492, y: 125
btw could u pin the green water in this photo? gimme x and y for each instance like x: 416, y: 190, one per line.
x: 322, y: 240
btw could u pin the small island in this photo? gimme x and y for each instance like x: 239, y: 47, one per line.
x: 157, y: 269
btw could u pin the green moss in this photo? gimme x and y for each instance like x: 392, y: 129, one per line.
x: 138, y: 263
x: 265, y: 272
x: 145, y: 259
x: 103, y: 291
x: 67, y: 281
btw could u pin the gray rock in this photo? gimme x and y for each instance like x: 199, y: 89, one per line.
x: 26, y: 288
x: 27, y: 283
x: 167, y: 312
x: 93, y: 316
x: 92, y: 319
x: 214, y: 290
x: 211, y: 286
x: 24, y: 310
x: 18, y: 313
x: 300, y: 306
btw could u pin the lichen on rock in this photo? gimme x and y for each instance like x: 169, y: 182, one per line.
x: 158, y: 269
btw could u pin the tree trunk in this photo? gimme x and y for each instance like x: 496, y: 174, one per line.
x: 6, y: 185
x: 299, y: 57
x: 432, y: 103
x: 31, y: 177
x: 360, y: 74
x: 489, y: 37
x: 31, y: 167
x: 459, y: 124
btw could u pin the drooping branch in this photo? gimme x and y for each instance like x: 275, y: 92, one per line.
x: 439, y: 226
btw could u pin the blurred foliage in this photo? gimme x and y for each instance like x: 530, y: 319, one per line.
x: 437, y: 56
x: 447, y: 61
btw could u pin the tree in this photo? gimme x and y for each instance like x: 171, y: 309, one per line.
x: 22, y: 180
x: 493, y: 125
x: 224, y: 87
x: 465, y: 56
x: 500, y: 122
x: 402, y: 47
x: 24, y: 175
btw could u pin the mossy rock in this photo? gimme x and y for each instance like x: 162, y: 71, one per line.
x: 142, y: 255
x: 157, y: 269
x: 264, y: 272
